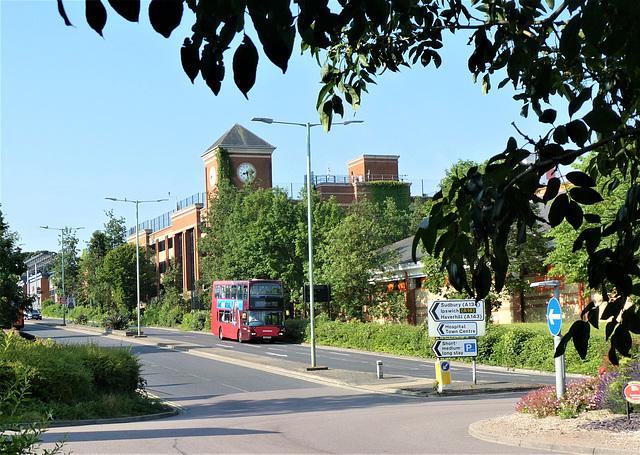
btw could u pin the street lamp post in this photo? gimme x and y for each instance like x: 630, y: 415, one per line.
x: 62, y: 231
x: 307, y: 126
x: 136, y: 202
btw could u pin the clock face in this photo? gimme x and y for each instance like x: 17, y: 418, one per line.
x: 212, y: 176
x: 246, y: 172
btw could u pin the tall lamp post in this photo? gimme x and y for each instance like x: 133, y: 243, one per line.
x: 62, y: 231
x: 137, y: 250
x: 308, y: 126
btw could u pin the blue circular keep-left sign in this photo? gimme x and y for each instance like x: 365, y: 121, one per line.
x: 554, y: 316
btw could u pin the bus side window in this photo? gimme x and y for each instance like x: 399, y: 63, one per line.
x: 217, y: 294
x: 221, y: 316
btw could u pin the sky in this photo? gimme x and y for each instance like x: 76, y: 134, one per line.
x: 83, y: 118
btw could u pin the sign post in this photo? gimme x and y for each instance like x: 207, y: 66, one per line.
x: 554, y: 322
x: 452, y: 319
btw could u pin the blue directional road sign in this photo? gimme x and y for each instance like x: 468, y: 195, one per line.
x: 554, y: 316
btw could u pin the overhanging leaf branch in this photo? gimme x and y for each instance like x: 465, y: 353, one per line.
x: 570, y: 155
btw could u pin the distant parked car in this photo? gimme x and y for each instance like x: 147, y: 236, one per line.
x: 35, y: 314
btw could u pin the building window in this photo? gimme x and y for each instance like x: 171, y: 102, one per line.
x: 162, y: 267
x: 161, y: 245
x: 170, y: 242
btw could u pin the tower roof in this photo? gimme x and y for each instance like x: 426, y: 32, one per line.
x: 239, y: 137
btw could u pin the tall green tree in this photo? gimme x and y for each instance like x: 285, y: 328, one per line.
x: 12, y: 266
x: 348, y: 258
x: 115, y: 231
x: 112, y: 236
x: 119, y: 272
x: 68, y: 259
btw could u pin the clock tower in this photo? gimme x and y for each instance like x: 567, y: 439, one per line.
x: 249, y: 157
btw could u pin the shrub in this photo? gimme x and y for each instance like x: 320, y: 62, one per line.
x: 610, y: 393
x: 580, y: 395
x: 112, y: 370
x: 514, y: 341
x: 115, y: 321
x: 539, y: 402
x: 537, y: 353
x: 53, y: 372
x: 81, y: 319
x: 51, y: 309
x: 14, y: 392
x: 196, y: 321
x: 490, y: 346
x: 394, y: 338
x: 294, y: 330
x: 171, y: 316
x: 68, y: 382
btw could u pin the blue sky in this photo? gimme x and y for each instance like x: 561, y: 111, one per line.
x: 85, y: 117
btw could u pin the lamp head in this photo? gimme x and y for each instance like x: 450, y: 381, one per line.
x: 262, y: 119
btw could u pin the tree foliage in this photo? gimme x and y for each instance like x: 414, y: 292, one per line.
x: 571, y: 263
x: 119, y: 272
x: 524, y: 258
x: 67, y: 261
x: 12, y: 298
x: 578, y: 60
x: 349, y: 257
x: 101, y: 243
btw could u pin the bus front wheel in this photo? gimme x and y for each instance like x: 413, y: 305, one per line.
x: 239, y: 336
x: 220, y: 333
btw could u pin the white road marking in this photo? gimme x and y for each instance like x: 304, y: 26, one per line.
x: 276, y: 354
x: 235, y: 388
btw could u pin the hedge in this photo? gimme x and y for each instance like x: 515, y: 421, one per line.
x: 513, y: 345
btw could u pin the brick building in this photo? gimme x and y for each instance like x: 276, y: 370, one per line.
x: 355, y: 185
x: 36, y: 282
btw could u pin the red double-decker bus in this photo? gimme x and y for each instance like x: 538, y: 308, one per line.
x: 248, y: 310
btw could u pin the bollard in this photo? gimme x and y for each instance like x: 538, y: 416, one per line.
x: 443, y: 376
x: 379, y: 369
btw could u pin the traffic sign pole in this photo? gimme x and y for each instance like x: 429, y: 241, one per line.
x: 554, y: 321
x: 560, y: 374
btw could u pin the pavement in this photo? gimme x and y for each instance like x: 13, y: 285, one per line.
x: 355, y: 380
